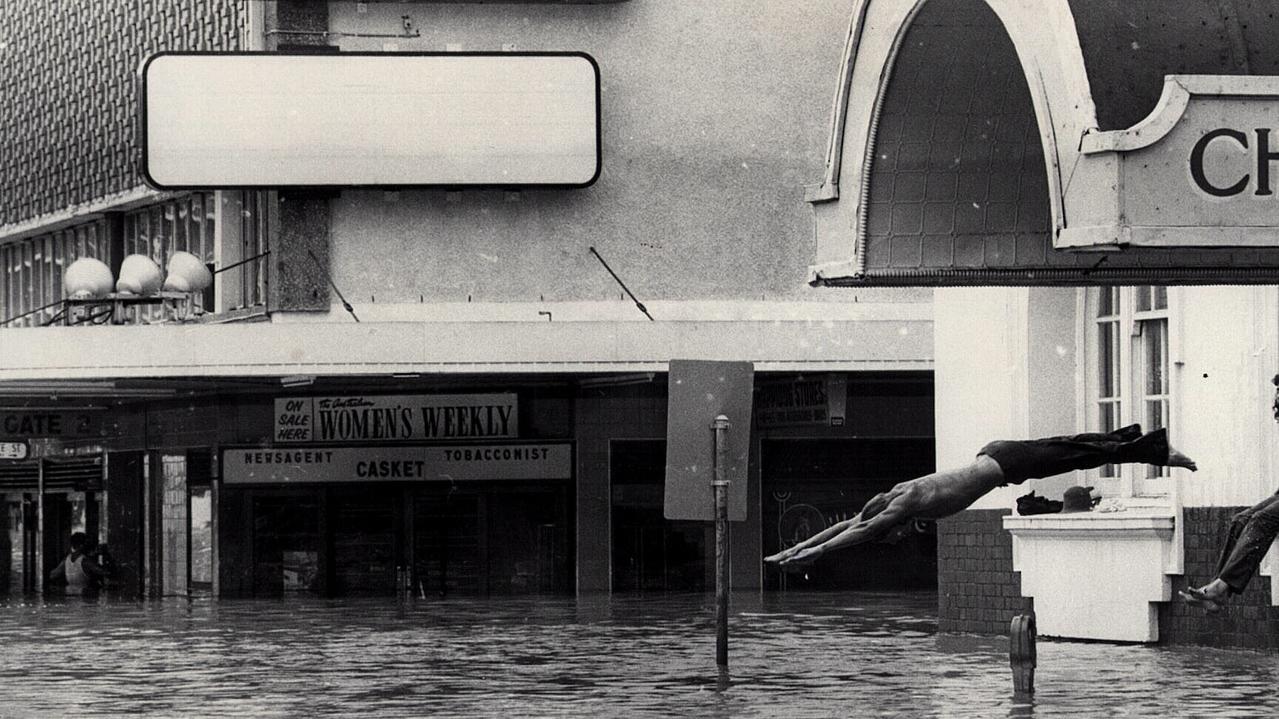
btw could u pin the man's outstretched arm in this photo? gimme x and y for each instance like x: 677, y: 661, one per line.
x: 818, y: 538
x: 859, y: 532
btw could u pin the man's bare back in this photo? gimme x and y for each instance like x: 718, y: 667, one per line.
x: 942, y: 494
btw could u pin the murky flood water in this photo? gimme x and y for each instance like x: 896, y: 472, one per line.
x: 792, y: 655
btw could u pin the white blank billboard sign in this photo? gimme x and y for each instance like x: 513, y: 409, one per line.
x: 224, y: 120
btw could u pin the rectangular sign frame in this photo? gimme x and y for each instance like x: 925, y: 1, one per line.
x: 363, y: 419
x: 697, y: 392
x: 505, y: 462
x: 357, y: 139
x: 15, y: 450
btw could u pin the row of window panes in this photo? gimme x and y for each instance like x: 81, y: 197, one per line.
x: 187, y: 224
x: 31, y: 271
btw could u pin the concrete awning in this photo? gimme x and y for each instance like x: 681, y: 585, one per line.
x: 271, y: 349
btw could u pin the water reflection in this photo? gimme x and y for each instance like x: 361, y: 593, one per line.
x: 793, y: 655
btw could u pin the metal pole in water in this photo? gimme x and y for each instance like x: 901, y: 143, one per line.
x: 1021, y: 653
x: 720, y: 483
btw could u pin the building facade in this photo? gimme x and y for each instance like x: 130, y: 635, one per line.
x: 1102, y: 258
x: 435, y: 390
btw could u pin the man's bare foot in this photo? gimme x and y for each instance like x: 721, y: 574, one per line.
x: 1196, y: 598
x: 1216, y: 590
x: 1210, y: 596
x: 1177, y: 459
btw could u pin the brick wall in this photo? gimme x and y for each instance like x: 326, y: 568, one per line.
x: 977, y: 590
x: 1248, y: 621
x: 67, y: 122
x: 979, y: 593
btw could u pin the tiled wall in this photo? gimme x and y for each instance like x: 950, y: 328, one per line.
x: 67, y: 122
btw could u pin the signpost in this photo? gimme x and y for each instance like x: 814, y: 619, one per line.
x: 705, y: 400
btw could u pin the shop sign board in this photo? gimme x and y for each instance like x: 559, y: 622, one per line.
x: 698, y: 392
x: 370, y: 119
x: 1202, y: 170
x: 437, y: 463
x: 803, y: 401
x: 392, y: 418
x: 23, y: 424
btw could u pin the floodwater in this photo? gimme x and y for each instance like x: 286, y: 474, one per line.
x: 791, y: 655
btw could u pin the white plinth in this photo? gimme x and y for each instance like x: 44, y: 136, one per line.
x: 1097, y: 575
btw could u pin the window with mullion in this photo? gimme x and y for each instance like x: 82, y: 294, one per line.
x: 1108, y: 395
x: 1151, y: 383
x: 1129, y: 353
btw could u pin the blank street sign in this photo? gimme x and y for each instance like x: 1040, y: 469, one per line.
x: 698, y: 391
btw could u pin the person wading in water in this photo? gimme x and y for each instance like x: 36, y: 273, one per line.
x: 79, y: 571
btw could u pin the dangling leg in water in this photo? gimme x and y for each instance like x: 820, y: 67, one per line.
x: 942, y: 494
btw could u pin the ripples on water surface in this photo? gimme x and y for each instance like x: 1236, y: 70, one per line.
x: 792, y: 655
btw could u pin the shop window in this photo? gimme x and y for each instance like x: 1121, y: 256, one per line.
x: 228, y: 231
x: 200, y: 541
x: 255, y: 228
x: 286, y: 544
x: 184, y: 224
x: 231, y: 242
x: 1127, y: 343
x: 31, y: 271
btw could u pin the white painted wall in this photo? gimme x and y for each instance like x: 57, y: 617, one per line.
x: 980, y: 370
x: 1007, y: 366
x: 1225, y: 358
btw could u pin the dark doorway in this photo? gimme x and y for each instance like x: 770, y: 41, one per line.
x: 365, y: 526
x: 286, y: 543
x: 809, y: 484
x: 650, y: 552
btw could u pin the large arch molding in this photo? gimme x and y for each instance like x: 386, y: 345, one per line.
x: 1051, y: 61
x: 1090, y: 204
